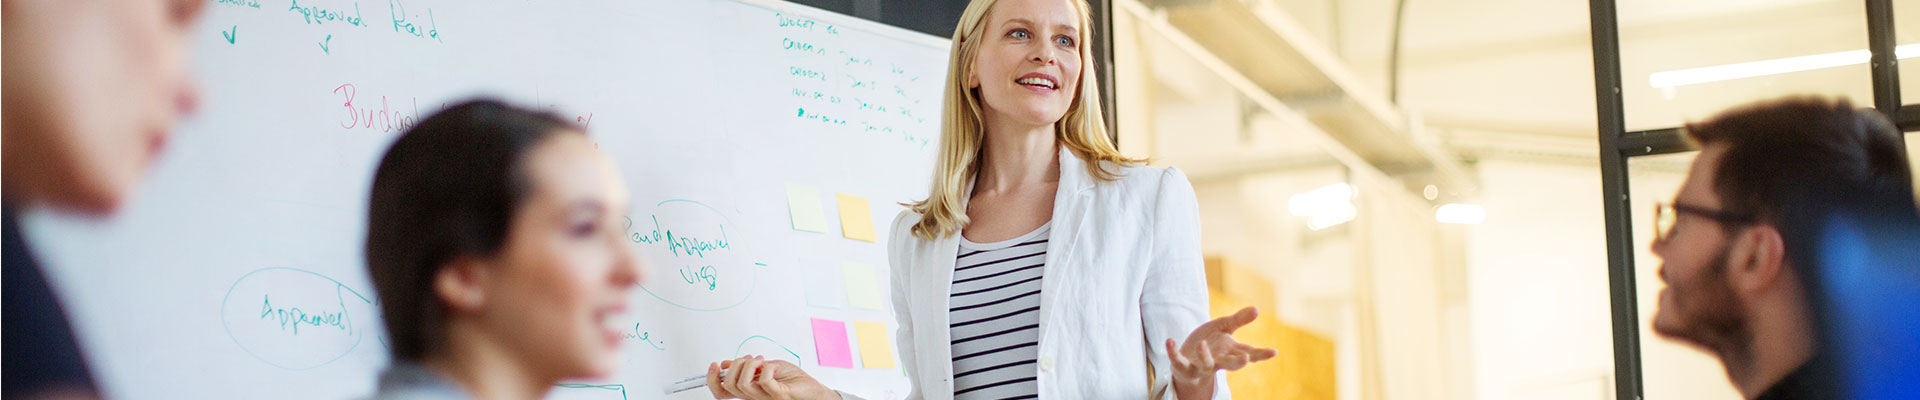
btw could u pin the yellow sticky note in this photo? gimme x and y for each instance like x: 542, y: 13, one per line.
x: 863, y: 287
x: 855, y: 221
x: 803, y: 202
x: 876, y: 350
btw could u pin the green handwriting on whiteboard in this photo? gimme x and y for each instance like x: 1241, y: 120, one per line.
x: 644, y: 336
x: 682, y: 244
x: 293, y: 318
x: 410, y: 23
x: 319, y: 16
x: 698, y: 238
x: 706, y: 275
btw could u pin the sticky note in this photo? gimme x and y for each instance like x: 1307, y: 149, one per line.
x: 863, y: 288
x: 830, y: 343
x: 876, y: 351
x: 855, y: 221
x: 824, y: 287
x: 803, y: 203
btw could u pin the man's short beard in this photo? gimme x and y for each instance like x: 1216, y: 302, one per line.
x: 1711, y: 315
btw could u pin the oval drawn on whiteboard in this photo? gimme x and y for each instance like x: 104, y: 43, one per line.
x: 295, y: 319
x: 765, y: 346
x: 693, y: 251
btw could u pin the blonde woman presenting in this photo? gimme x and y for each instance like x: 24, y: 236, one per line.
x: 1043, y: 263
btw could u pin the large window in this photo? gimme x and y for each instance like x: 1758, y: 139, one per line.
x: 1684, y: 61
x: 1906, y: 17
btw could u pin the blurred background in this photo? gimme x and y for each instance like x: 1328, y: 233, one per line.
x: 1411, y: 189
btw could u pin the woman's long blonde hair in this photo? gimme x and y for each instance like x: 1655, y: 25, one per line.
x: 1083, y: 130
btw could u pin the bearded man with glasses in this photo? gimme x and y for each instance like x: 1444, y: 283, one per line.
x: 1732, y: 290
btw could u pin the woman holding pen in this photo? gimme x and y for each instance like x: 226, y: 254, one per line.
x: 1043, y: 263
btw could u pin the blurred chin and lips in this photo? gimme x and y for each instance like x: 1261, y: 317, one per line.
x: 92, y: 90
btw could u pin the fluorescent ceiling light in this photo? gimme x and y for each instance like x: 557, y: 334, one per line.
x: 1464, y: 214
x: 1325, y: 207
x: 1691, y: 76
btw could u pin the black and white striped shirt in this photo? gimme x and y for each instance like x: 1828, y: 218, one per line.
x: 995, y: 317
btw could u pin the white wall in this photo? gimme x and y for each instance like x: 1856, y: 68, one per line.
x: 1537, y: 283
x: 1407, y: 291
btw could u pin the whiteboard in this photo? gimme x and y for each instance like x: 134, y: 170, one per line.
x: 237, y: 270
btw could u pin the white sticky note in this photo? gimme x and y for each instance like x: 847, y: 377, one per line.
x: 803, y: 203
x: 863, y: 286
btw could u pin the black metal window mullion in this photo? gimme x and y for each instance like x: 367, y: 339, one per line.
x: 1886, y: 70
x: 1614, y: 198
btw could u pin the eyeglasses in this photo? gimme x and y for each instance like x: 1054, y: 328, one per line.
x: 1666, y: 217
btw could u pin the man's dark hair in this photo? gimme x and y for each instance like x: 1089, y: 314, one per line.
x: 1781, y: 151
x: 447, y: 188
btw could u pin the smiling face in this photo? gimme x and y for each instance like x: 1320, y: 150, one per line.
x: 1699, y: 305
x: 565, y: 270
x: 92, y: 88
x: 1028, y: 65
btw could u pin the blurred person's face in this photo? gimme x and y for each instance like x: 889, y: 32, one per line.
x: 92, y: 88
x: 1028, y: 65
x: 552, y: 292
x: 1699, y: 305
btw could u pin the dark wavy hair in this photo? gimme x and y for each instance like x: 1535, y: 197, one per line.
x: 1781, y: 150
x: 447, y: 188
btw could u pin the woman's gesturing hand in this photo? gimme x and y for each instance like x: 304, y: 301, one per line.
x: 1211, y: 348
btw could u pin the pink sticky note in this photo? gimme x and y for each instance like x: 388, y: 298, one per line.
x: 830, y: 342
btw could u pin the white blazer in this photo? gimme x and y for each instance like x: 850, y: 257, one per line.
x: 1123, y: 273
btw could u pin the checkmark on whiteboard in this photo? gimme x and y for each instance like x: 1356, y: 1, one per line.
x: 323, y: 45
x: 230, y: 34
